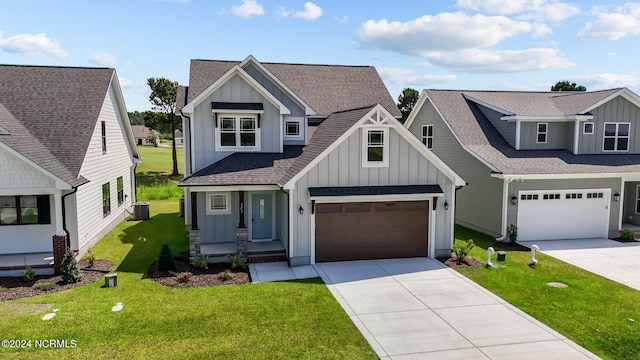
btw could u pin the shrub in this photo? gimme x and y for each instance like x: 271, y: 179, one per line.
x: 226, y: 275
x: 29, y: 273
x: 69, y: 268
x: 90, y: 258
x: 512, y: 233
x: 627, y: 234
x: 463, y: 248
x: 237, y: 262
x: 183, y: 277
x: 45, y: 286
x: 165, y: 259
x: 201, y: 262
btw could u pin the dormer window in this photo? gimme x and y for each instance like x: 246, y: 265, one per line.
x: 237, y: 132
x: 293, y: 128
x: 376, y: 147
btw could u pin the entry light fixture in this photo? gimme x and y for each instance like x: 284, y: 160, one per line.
x: 616, y: 196
x: 446, y: 205
x: 301, y: 210
x: 514, y: 200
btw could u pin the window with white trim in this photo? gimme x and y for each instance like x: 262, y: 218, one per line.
x: 106, y: 199
x: 616, y: 136
x: 542, y: 133
x: 237, y: 132
x: 427, y: 136
x: 588, y: 128
x: 376, y: 147
x: 218, y: 203
x: 293, y: 128
x: 638, y: 199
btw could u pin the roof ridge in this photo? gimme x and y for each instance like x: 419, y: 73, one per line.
x: 282, y: 63
x: 61, y: 67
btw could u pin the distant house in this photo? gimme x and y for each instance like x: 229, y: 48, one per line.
x: 558, y: 165
x: 179, y: 138
x: 67, y: 156
x: 310, y: 161
x: 143, y: 135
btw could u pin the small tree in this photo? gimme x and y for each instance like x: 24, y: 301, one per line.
x: 567, y: 85
x: 166, y: 261
x: 69, y: 268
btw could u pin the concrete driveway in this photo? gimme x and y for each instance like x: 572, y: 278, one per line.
x: 608, y: 258
x: 419, y: 309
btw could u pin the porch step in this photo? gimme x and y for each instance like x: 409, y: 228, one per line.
x: 269, y: 256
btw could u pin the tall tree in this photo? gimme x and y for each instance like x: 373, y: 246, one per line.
x: 567, y: 85
x: 406, y: 101
x: 136, y: 118
x: 163, y: 98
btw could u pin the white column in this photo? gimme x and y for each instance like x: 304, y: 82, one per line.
x: 576, y: 137
x: 57, y: 200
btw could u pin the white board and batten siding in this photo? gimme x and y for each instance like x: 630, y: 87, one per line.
x: 343, y: 167
x: 99, y: 169
x: 17, y: 177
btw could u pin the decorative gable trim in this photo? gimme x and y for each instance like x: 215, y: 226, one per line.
x: 236, y: 70
x: 380, y: 115
x: 624, y: 92
x: 250, y: 59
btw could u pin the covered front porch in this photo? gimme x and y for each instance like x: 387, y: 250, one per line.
x: 14, y: 264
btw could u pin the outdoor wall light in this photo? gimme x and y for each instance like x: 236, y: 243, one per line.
x: 514, y: 200
x: 616, y: 196
x: 301, y: 210
x: 446, y: 205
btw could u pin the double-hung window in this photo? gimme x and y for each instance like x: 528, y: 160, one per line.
x: 237, y: 132
x: 106, y: 200
x: 542, y: 133
x: 120, y: 185
x: 427, y: 136
x: 25, y: 210
x: 376, y: 147
x: 616, y: 136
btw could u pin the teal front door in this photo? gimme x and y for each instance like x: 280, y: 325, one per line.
x: 261, y: 216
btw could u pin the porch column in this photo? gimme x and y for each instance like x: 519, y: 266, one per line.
x: 57, y: 201
x: 242, y: 234
x: 59, y: 251
x: 194, y: 232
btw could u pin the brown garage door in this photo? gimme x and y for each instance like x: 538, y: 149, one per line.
x: 357, y: 231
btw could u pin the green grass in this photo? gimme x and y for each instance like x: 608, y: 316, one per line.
x: 593, y: 311
x: 153, y: 174
x: 296, y: 319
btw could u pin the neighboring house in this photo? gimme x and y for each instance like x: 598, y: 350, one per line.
x: 144, y: 135
x: 179, y: 138
x: 310, y: 158
x: 558, y: 165
x: 67, y: 158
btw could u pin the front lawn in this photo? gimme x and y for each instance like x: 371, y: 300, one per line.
x: 296, y: 319
x: 599, y: 314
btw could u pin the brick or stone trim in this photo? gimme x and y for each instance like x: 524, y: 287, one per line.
x: 194, y: 245
x: 59, y: 249
x: 22, y: 267
x: 242, y: 237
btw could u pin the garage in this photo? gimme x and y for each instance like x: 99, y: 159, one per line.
x: 371, y: 230
x: 565, y: 214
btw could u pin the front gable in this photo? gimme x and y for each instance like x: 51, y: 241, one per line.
x: 18, y: 175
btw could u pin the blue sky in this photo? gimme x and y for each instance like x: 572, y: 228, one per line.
x: 454, y: 44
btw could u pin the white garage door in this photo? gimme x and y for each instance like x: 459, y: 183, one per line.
x: 566, y: 214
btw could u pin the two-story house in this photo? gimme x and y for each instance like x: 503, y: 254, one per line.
x: 67, y: 159
x: 310, y: 159
x: 558, y: 165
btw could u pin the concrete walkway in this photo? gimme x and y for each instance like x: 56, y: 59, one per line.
x: 279, y: 271
x: 420, y: 309
x: 608, y: 258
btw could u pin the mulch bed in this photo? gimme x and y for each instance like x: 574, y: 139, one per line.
x: 453, y: 262
x: 625, y: 240
x: 209, y: 277
x: 15, y: 287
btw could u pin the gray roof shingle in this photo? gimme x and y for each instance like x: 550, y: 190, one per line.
x: 57, y: 108
x: 325, y: 88
x: 480, y: 137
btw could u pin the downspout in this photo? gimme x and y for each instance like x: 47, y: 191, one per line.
x: 190, y: 145
x: 288, y: 228
x: 64, y: 216
x: 505, y: 204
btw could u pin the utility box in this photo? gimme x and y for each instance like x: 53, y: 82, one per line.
x: 502, y: 256
x: 141, y: 211
x: 111, y: 280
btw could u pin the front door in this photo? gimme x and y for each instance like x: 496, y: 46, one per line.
x: 261, y: 216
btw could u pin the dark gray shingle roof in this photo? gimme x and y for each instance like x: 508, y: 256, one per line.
x: 325, y: 88
x: 58, y: 106
x: 481, y: 138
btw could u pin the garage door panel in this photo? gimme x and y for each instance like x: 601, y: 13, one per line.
x: 371, y: 230
x: 566, y: 214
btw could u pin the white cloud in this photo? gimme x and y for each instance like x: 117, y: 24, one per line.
x: 247, y: 9
x: 407, y: 77
x: 134, y: 86
x: 442, y: 32
x: 540, y: 10
x: 311, y: 12
x: 28, y: 44
x: 500, y: 61
x: 342, y: 19
x: 607, y: 81
x: 623, y: 21
x: 104, y: 59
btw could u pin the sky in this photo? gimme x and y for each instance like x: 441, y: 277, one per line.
x: 420, y: 44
